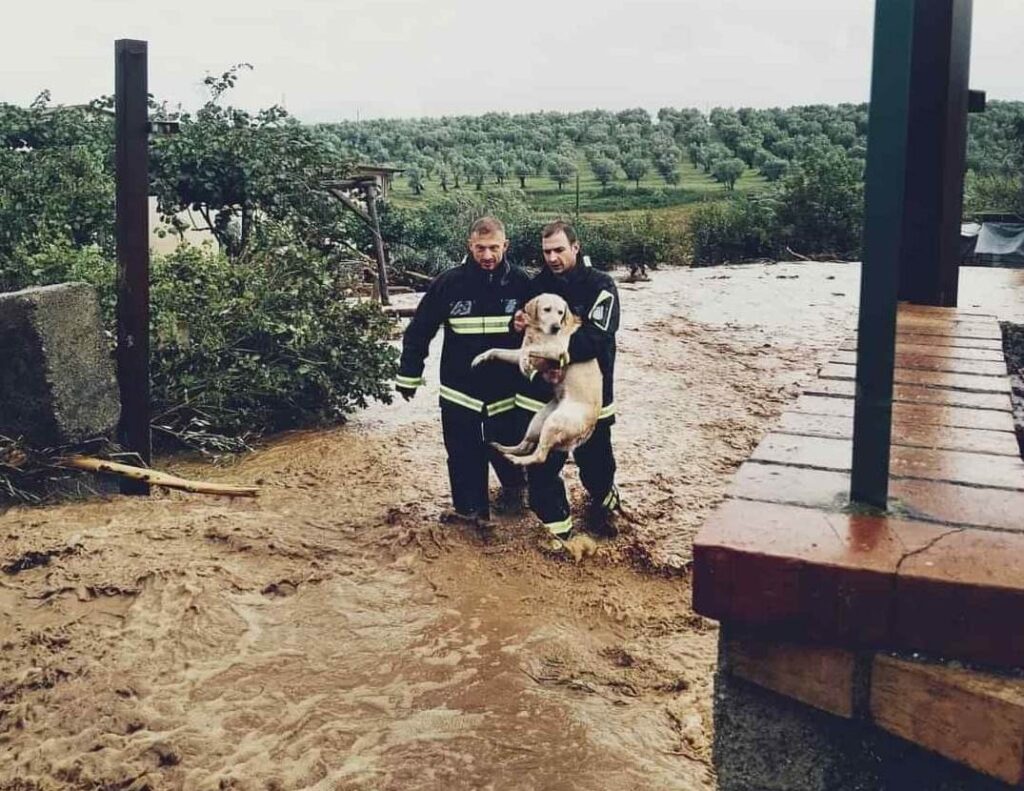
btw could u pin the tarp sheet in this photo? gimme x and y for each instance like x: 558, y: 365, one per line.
x: 994, y: 243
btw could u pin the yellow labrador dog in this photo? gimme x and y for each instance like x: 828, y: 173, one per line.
x: 568, y: 420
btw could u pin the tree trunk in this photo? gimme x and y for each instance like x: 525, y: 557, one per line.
x: 522, y: 182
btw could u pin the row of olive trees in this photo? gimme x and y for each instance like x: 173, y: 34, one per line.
x: 627, y: 144
x: 630, y: 144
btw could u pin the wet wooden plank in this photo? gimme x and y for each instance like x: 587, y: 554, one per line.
x: 949, y: 340
x: 955, y: 328
x: 906, y: 308
x: 962, y: 595
x: 973, y: 718
x: 913, y: 376
x: 917, y: 394
x: 974, y: 469
x: 926, y: 414
x: 1000, y: 443
x: 819, y: 676
x: 926, y: 362
x: 822, y: 575
x: 993, y: 354
x: 934, y: 501
x: 858, y: 579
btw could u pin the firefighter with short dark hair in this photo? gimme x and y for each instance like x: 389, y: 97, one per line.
x: 476, y: 302
x: 594, y: 298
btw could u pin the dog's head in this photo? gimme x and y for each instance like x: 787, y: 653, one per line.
x: 550, y: 314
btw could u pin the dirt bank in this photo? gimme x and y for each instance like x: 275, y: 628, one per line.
x: 331, y: 635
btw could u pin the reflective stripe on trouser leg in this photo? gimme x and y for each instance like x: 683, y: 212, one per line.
x: 547, y: 494
x: 596, y: 464
x: 507, y: 428
x: 467, y: 458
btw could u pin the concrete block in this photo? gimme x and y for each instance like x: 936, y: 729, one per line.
x: 57, y: 380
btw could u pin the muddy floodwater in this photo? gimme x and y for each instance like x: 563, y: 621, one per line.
x: 333, y: 635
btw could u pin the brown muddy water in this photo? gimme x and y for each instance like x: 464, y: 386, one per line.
x: 332, y: 635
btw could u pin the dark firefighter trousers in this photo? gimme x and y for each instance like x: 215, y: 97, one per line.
x: 596, y: 464
x: 466, y: 434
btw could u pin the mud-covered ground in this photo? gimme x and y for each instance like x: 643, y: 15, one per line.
x: 332, y: 635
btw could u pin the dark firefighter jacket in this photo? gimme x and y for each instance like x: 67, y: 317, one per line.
x: 593, y: 297
x: 476, y: 309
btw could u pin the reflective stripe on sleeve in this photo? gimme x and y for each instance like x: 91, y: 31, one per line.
x: 408, y: 381
x: 607, y: 411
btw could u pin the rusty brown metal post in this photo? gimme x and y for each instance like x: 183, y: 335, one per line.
x: 937, y: 154
x: 132, y: 227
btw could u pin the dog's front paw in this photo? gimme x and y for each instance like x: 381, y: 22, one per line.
x: 480, y: 358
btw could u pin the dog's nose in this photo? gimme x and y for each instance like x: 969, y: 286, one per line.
x: 553, y: 329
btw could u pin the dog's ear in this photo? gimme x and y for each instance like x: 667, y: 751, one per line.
x: 571, y: 321
x: 530, y: 309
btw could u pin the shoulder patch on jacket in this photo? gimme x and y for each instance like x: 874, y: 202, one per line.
x: 601, y: 313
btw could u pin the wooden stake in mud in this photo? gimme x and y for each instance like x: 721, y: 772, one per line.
x: 132, y: 225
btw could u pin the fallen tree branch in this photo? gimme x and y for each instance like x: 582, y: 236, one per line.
x: 797, y: 255
x: 156, y: 477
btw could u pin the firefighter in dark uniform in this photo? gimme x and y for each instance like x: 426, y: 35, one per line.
x: 593, y: 297
x: 476, y: 302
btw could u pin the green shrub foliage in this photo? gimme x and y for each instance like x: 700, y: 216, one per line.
x: 251, y: 335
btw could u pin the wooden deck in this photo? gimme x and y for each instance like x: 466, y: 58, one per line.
x: 943, y: 573
x: 817, y: 594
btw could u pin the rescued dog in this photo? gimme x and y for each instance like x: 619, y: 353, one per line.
x: 568, y: 420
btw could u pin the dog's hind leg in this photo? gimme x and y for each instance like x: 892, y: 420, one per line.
x: 533, y: 432
x: 558, y: 433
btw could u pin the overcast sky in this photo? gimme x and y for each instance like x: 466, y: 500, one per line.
x: 331, y: 59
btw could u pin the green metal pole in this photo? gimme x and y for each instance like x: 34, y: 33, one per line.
x: 883, y: 237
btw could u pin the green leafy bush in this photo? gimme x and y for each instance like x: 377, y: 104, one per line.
x: 245, y: 347
x: 734, y: 230
x: 260, y: 344
x: 821, y: 204
x: 649, y: 238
